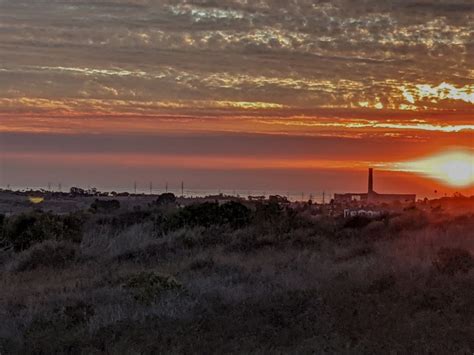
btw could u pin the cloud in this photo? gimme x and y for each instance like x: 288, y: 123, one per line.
x: 344, y: 59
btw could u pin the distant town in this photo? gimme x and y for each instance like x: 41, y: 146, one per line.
x: 370, y: 204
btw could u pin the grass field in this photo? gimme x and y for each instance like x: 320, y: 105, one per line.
x: 212, y: 279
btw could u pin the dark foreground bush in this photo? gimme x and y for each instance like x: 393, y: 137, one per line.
x: 357, y: 222
x: 233, y: 214
x: 146, y: 286
x: 26, y: 229
x: 105, y: 206
x: 50, y: 253
x: 63, y: 331
x: 202, y: 264
x: 165, y: 199
x: 453, y: 260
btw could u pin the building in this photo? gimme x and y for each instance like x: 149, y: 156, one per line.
x: 361, y: 213
x: 373, y: 197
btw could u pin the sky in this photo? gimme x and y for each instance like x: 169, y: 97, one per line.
x: 292, y: 95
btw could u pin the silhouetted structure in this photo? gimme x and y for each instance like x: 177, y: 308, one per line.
x: 373, y: 197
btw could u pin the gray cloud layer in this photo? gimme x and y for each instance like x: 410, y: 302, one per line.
x: 300, y: 53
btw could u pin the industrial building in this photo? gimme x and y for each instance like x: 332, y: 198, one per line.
x: 373, y: 197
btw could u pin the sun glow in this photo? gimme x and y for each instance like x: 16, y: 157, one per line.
x: 455, y: 168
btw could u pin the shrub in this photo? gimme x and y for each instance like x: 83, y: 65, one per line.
x: 62, y: 331
x: 165, y: 199
x: 247, y: 241
x: 268, y: 214
x: 146, y: 286
x: 409, y: 220
x: 128, y: 219
x: 453, y: 260
x: 272, y: 218
x: 202, y: 264
x: 205, y: 237
x: 77, y: 313
x: 234, y: 214
x: 105, y: 206
x: 375, y: 227
x: 2, y: 220
x: 203, y: 214
x: 23, y: 230
x: 358, y: 252
x: 72, y: 228
x: 26, y: 229
x: 47, y: 254
x: 357, y: 222
x: 382, y: 284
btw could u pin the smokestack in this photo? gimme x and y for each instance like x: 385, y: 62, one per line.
x: 371, y: 180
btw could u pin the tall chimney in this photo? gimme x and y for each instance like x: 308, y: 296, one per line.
x: 371, y: 180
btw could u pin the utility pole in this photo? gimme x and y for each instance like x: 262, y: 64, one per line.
x: 135, y: 187
x: 324, y: 197
x: 49, y: 186
x: 151, y: 188
x: 182, y: 188
x: 60, y: 187
x: 166, y: 188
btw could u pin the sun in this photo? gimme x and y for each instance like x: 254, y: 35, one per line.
x: 455, y: 168
x: 457, y: 172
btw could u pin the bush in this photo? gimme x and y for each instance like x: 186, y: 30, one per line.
x: 203, y: 214
x: 146, y: 286
x: 63, y: 331
x: 2, y: 220
x: 453, y: 260
x: 50, y: 253
x: 268, y: 214
x: 27, y: 229
x: 409, y: 220
x: 272, y: 218
x: 165, y: 199
x: 233, y: 214
x: 202, y: 264
x: 382, y: 284
x: 105, y: 206
x: 72, y: 227
x: 247, y: 241
x: 357, y: 222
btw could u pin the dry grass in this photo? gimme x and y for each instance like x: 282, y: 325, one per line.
x: 376, y: 290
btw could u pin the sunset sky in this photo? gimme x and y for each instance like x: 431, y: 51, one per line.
x: 290, y: 95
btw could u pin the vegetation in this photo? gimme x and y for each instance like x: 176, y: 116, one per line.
x: 105, y: 206
x: 27, y: 229
x: 234, y: 278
